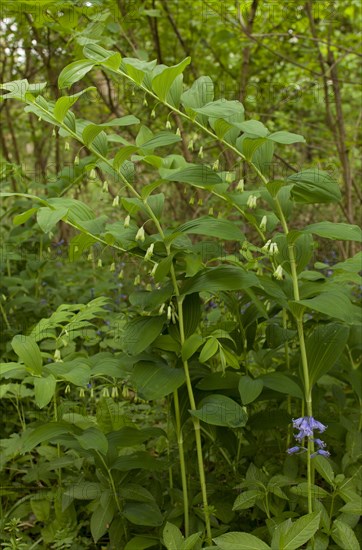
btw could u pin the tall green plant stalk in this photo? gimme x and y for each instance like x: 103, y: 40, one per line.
x: 180, y: 443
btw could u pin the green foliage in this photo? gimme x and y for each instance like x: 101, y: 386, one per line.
x: 150, y: 374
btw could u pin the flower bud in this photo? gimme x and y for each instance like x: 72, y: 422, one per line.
x: 115, y: 201
x: 263, y: 223
x: 105, y: 187
x: 178, y: 132
x: 113, y: 267
x: 211, y: 211
x: 114, y: 392
x: 162, y: 309
x: 191, y: 145
x: 265, y: 248
x: 273, y: 249
x: 200, y: 202
x: 99, y: 263
x: 153, y: 270
x: 215, y: 166
x: 127, y: 221
x: 66, y: 146
x: 57, y: 356
x: 92, y: 174
x: 229, y: 177
x: 81, y: 392
x: 192, y: 200
x: 105, y: 392
x: 54, y: 132
x: 169, y: 313
x: 168, y: 125
x: 278, y: 273
x: 67, y: 389
x: 137, y: 280
x: 120, y: 275
x: 149, y: 252
x: 153, y: 113
x: 140, y: 235
x: 240, y: 186
x: 201, y: 152
x: 251, y: 202
x: 145, y: 102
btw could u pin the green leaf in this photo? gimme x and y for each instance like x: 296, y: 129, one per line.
x: 160, y: 140
x: 28, y: 352
x: 247, y: 145
x: 324, y: 468
x: 47, y: 218
x: 219, y: 278
x: 194, y: 174
x: 162, y: 82
x: 47, y: 432
x: 139, y: 460
x: 190, y: 346
x: 172, y: 537
x: 156, y: 380
x: 314, y: 186
x: 94, y: 439
x: 282, y: 383
x: 145, y: 513
x: 220, y: 410
x: 253, y: 127
x: 102, y: 516
x: 240, y: 541
x: 300, y: 532
x: 63, y: 104
x: 24, y: 216
x: 324, y: 346
x: 352, y: 507
x: 286, y: 137
x: 212, y: 227
x: 336, y: 231
x: 140, y: 543
x: 123, y: 154
x: 84, y: 490
x: 74, y: 72
x: 343, y: 535
x: 44, y: 389
x: 334, y: 304
x: 140, y: 333
x: 102, y: 56
x: 247, y: 499
x: 191, y: 541
x: 221, y: 108
x: 249, y: 389
x: 210, y: 348
x: 200, y: 93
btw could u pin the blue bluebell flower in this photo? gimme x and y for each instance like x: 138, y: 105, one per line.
x: 321, y: 452
x: 306, y: 426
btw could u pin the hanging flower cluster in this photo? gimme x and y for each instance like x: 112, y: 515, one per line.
x: 306, y: 426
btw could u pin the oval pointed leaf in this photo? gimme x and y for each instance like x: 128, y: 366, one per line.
x: 28, y: 351
x: 240, y: 541
x: 162, y: 82
x: 140, y: 333
x: 44, y: 389
x: 156, y: 380
x: 74, y: 72
x: 249, y: 389
x: 220, y: 410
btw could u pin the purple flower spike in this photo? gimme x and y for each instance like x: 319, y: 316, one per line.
x: 315, y: 425
x: 306, y: 426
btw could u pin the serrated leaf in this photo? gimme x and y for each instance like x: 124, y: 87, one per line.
x: 247, y: 499
x: 301, y: 531
x: 343, y: 535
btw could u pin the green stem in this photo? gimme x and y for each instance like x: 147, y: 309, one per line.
x: 3, y: 313
x: 180, y: 444
x: 111, y: 480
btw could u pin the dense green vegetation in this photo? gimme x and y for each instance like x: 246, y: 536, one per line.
x: 180, y: 275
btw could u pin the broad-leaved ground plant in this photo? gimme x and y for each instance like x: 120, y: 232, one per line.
x: 191, y: 418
